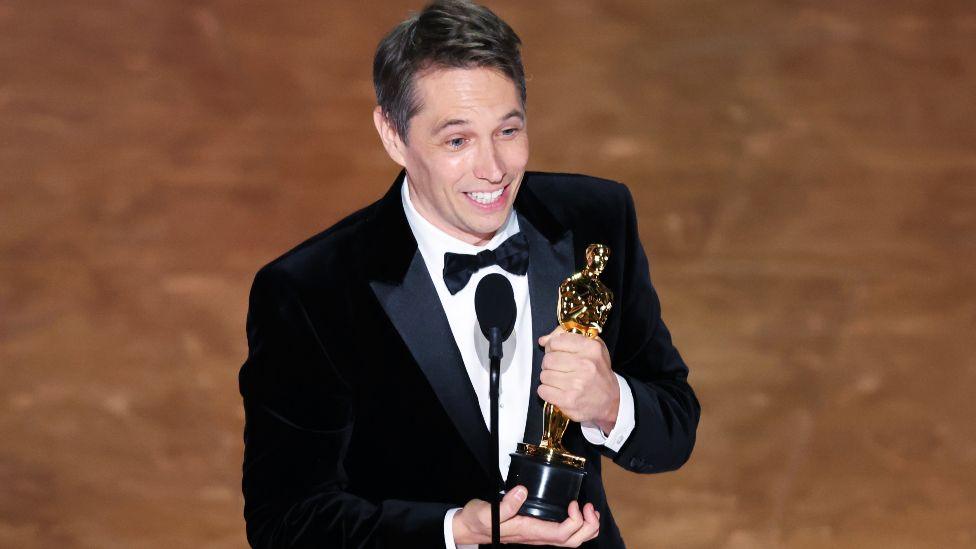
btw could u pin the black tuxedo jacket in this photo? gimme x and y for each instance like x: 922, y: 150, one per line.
x: 362, y: 428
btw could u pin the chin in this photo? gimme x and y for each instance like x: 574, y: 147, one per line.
x: 482, y: 227
x: 485, y: 229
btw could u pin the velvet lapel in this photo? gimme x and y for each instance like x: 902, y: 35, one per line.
x: 550, y: 262
x: 401, y: 283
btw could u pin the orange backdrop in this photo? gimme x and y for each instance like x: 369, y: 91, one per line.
x: 804, y: 173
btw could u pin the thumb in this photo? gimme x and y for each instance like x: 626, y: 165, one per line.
x: 544, y: 340
x: 511, y: 503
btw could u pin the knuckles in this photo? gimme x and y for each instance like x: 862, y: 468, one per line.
x: 592, y: 347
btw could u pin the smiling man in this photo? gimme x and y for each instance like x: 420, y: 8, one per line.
x: 365, y: 389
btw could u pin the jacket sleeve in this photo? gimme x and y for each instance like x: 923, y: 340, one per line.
x: 665, y: 407
x: 299, y: 416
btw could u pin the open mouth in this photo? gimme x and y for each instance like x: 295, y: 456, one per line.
x: 487, y: 198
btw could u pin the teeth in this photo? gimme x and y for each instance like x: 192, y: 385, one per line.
x: 485, y: 198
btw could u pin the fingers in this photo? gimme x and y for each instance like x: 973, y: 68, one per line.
x: 596, y: 513
x: 589, y: 530
x: 568, y: 402
x: 552, y: 395
x: 511, y: 503
x: 562, y: 361
x: 544, y: 339
x: 561, y: 340
x: 472, y: 524
x: 578, y: 527
x: 574, y: 513
x: 533, y: 531
x: 571, y: 526
x: 561, y: 380
x: 572, y: 392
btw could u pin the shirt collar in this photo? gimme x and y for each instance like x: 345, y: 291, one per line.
x: 433, y: 243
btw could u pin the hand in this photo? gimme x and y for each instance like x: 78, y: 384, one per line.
x: 472, y: 524
x: 576, y: 377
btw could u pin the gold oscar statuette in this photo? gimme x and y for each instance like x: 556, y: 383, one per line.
x: 550, y: 472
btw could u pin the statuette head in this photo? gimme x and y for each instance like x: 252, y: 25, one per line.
x: 597, y: 256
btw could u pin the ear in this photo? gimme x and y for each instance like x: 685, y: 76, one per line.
x: 388, y: 135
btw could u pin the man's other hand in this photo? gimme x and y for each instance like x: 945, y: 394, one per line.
x: 472, y: 524
x: 576, y: 378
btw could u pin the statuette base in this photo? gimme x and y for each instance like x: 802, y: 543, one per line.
x: 552, y: 478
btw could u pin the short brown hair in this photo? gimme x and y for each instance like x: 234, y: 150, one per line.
x: 447, y: 33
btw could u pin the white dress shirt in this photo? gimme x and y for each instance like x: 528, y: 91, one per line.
x: 516, y: 366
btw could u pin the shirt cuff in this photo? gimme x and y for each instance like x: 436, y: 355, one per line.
x: 449, y: 531
x: 616, y: 438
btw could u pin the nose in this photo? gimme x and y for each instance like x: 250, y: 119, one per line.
x: 488, y: 166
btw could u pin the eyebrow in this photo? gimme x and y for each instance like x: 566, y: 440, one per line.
x: 514, y: 113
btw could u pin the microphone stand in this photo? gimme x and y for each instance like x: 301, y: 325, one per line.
x: 494, y: 305
x: 495, y: 359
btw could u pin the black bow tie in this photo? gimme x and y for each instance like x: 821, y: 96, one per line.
x: 511, y: 255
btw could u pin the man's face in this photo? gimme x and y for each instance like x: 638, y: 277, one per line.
x: 466, y: 150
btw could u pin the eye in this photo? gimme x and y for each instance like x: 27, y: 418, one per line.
x: 456, y: 143
x: 508, y: 132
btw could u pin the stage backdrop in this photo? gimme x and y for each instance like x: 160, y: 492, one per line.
x: 805, y: 176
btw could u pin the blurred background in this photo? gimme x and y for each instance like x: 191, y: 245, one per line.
x: 804, y: 172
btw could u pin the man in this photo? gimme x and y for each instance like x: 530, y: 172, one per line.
x: 364, y: 389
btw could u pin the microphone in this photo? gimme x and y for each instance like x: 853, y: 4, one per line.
x: 494, y: 305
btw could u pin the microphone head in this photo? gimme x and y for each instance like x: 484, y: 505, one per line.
x: 494, y: 304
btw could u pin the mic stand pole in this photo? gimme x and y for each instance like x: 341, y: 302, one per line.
x: 495, y: 358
